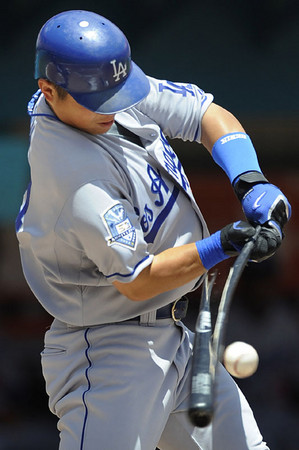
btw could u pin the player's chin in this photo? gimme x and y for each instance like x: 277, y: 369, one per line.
x: 97, y: 128
x: 103, y: 127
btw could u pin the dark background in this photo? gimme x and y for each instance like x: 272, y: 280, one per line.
x: 247, y: 54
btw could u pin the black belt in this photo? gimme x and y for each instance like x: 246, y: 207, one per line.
x: 176, y: 310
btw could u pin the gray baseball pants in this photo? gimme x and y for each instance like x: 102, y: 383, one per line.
x: 125, y: 386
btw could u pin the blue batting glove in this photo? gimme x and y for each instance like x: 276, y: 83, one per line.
x: 264, y: 203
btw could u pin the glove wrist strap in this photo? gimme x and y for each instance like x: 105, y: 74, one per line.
x: 245, y: 182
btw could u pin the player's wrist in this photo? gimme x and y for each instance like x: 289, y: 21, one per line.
x: 210, y: 250
x: 243, y: 183
x: 236, y: 155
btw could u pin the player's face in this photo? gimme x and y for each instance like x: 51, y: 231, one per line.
x: 74, y: 114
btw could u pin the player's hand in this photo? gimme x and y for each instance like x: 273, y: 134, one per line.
x: 263, y: 203
x: 267, y: 242
x: 235, y: 235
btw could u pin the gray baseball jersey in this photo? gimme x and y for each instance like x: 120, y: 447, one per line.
x: 99, y: 207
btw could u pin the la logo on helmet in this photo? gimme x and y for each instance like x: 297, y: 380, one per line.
x: 119, y: 70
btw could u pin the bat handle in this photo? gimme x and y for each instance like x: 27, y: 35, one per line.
x: 202, y: 381
x: 201, y: 402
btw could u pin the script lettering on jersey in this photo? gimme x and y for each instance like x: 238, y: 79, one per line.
x: 147, y: 218
x: 119, y: 70
x: 172, y: 164
x: 153, y: 216
x: 157, y: 185
x: 163, y: 201
x: 159, y: 188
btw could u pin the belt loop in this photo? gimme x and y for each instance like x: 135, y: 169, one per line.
x: 148, y: 319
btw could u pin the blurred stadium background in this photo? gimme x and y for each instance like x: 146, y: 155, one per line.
x: 247, y: 54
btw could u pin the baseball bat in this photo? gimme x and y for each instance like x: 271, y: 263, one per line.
x: 208, y: 348
x: 200, y: 410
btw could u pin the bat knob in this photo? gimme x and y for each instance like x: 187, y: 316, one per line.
x: 200, y: 418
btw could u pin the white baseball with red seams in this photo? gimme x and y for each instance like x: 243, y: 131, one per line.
x: 240, y: 359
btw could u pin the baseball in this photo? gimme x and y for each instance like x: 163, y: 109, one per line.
x: 240, y: 359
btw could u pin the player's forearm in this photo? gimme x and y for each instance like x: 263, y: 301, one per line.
x: 232, y: 149
x: 169, y: 270
x: 178, y: 266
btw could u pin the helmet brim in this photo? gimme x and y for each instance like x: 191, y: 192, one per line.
x: 111, y: 101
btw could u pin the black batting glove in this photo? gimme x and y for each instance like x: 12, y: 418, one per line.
x: 268, y: 241
x: 224, y: 243
x: 234, y: 236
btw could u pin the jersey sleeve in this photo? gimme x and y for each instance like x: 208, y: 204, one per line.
x: 101, y: 224
x: 177, y: 108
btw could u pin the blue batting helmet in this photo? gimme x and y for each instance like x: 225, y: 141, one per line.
x: 90, y: 58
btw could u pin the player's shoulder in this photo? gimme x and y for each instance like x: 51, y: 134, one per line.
x: 172, y: 93
x: 162, y: 87
x: 177, y: 107
x: 164, y: 84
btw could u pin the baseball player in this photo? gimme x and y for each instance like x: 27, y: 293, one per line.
x: 111, y: 240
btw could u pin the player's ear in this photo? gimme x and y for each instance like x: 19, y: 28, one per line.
x: 47, y: 89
